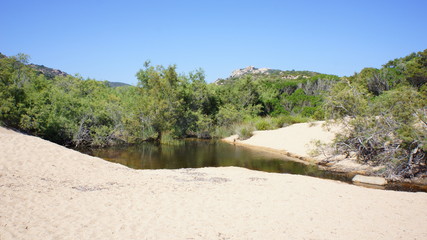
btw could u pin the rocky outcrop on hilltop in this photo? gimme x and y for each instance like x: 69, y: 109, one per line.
x: 270, y: 73
x: 250, y: 70
x: 48, y: 72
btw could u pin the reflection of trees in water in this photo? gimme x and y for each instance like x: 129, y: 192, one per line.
x: 196, y: 154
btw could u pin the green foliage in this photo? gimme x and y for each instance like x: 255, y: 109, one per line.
x: 222, y: 131
x: 346, y: 99
x: 244, y: 131
x: 169, y: 139
x: 289, y: 120
x: 275, y: 94
x: 387, y: 107
x: 73, y: 111
x: 388, y: 111
x: 131, y: 129
x: 264, y: 124
x: 14, y: 76
x: 269, y: 123
x: 178, y: 104
x: 416, y: 70
x: 159, y: 90
x: 66, y: 110
x: 227, y: 115
x: 242, y: 95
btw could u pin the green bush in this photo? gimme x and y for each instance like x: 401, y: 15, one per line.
x: 387, y: 124
x: 244, y: 131
x: 283, y: 121
x: 265, y: 124
x: 222, y: 131
x: 169, y: 139
x: 308, y: 111
x: 227, y: 115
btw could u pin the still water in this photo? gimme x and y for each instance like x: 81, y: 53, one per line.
x: 209, y: 153
x: 198, y: 153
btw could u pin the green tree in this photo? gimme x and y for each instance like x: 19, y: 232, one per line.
x: 198, y: 107
x: 416, y: 70
x: 14, y: 76
x: 160, y: 97
x: 346, y: 99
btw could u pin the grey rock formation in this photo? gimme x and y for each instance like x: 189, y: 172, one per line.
x: 250, y: 70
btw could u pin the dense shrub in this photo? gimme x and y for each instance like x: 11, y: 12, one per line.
x: 387, y: 124
x: 244, y: 131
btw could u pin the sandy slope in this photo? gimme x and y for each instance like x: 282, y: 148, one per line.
x: 50, y: 192
x: 298, y: 141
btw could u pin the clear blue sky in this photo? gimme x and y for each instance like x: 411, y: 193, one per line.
x: 110, y: 40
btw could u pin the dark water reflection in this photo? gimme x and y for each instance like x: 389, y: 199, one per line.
x: 197, y: 154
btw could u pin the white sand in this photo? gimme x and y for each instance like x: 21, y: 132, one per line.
x: 298, y: 139
x: 50, y: 192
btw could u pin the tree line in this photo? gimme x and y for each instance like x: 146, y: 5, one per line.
x: 164, y: 105
x: 384, y: 110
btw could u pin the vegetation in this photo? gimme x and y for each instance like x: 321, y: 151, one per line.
x: 387, y: 110
x: 74, y: 111
x: 384, y: 110
x: 67, y: 110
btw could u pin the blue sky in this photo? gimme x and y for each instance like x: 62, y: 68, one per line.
x: 110, y: 40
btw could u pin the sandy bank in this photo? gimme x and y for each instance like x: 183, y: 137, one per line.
x: 298, y: 141
x: 50, y: 192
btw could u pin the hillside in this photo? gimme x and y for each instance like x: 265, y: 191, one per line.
x: 274, y: 92
x: 117, y: 84
x: 266, y: 73
x: 47, y: 71
x: 51, y: 73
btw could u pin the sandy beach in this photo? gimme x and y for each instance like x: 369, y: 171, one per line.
x: 50, y: 192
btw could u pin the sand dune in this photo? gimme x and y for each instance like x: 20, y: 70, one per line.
x: 50, y: 192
